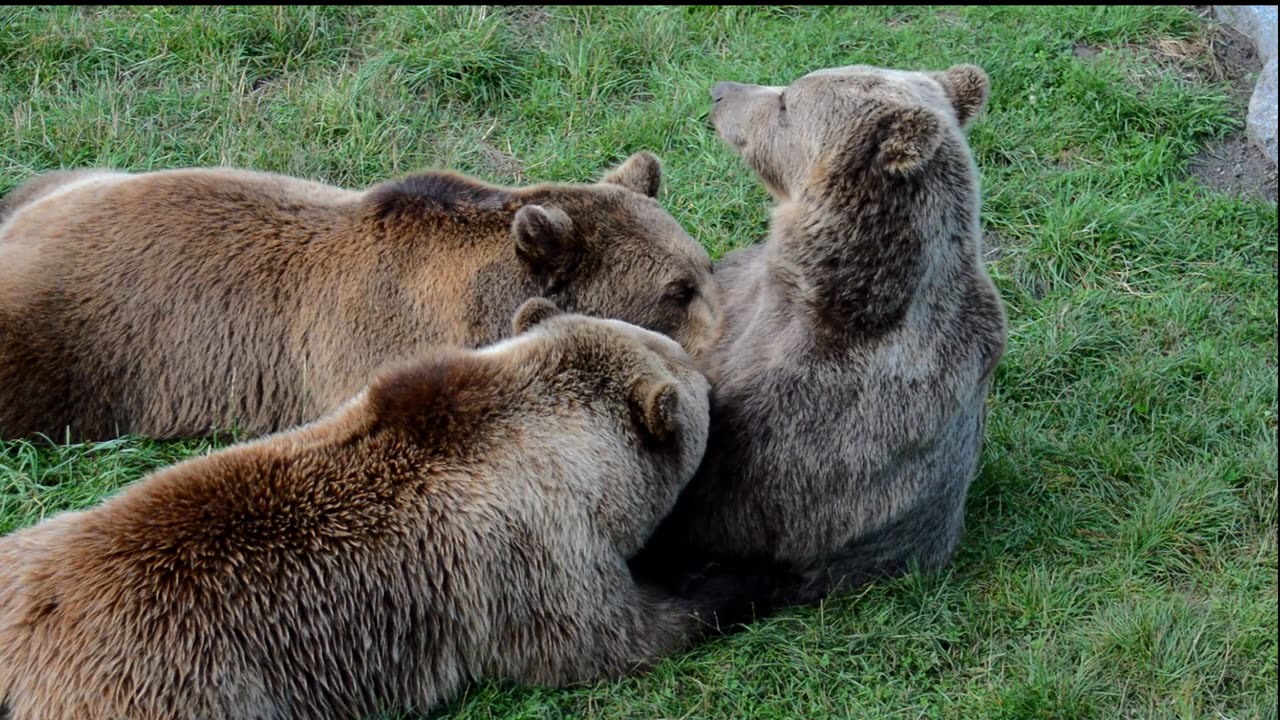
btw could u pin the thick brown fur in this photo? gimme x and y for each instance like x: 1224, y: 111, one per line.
x: 174, y: 303
x: 469, y: 515
x: 851, y: 374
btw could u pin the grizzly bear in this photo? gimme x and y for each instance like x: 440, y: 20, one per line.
x: 175, y: 303
x: 468, y: 515
x: 858, y: 343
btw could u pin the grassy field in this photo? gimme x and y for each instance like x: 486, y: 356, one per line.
x: 1120, y: 558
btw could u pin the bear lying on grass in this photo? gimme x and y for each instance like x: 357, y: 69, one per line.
x: 469, y: 515
x: 858, y: 343
x: 174, y: 303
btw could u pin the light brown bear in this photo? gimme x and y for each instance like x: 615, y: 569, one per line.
x: 851, y: 373
x: 469, y: 515
x: 172, y: 303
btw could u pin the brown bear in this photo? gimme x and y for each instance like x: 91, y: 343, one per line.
x: 176, y: 302
x: 468, y: 515
x: 858, y: 344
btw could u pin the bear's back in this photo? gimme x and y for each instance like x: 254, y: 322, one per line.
x: 144, y: 286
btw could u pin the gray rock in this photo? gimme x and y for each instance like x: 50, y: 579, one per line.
x: 1262, y: 111
x: 1258, y: 22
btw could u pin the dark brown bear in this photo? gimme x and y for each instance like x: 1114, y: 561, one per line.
x: 172, y: 303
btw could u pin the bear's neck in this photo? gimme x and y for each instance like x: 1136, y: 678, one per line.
x: 498, y: 285
x: 861, y: 266
x: 464, y: 266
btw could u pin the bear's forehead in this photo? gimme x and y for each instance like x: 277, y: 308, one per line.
x: 574, y: 329
x: 849, y: 71
x: 620, y: 346
x: 654, y: 341
x: 905, y: 84
x: 647, y: 231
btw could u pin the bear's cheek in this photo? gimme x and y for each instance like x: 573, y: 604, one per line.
x: 728, y: 128
x: 698, y: 329
x: 743, y: 120
x: 703, y: 322
x: 770, y: 167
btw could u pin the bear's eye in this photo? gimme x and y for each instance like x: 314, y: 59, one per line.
x: 682, y: 293
x: 782, y: 102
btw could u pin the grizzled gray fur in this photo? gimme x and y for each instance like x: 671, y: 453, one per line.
x: 858, y: 342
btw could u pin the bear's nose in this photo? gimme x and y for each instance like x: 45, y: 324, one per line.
x: 722, y: 89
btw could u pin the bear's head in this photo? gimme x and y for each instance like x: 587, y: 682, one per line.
x: 609, y: 249
x: 646, y: 407
x: 610, y: 416
x: 850, y: 122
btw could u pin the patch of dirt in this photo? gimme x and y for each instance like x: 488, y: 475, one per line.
x: 1235, y: 59
x: 996, y: 247
x: 993, y: 245
x: 263, y: 83
x: 950, y: 18
x: 1235, y: 167
x: 503, y: 164
x: 526, y: 21
x: 1084, y: 50
x: 1218, y: 53
x: 1067, y: 158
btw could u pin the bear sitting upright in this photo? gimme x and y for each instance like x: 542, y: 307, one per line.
x: 469, y: 515
x: 858, y: 343
x: 177, y: 302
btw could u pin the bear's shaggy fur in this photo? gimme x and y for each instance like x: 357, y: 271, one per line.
x: 469, y: 515
x: 177, y: 302
x: 858, y: 343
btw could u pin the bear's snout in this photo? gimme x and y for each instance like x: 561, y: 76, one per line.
x: 726, y: 110
x: 723, y: 89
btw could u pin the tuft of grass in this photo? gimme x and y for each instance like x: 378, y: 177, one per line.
x: 1120, y: 558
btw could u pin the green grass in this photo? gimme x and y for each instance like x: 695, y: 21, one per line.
x: 1120, y: 559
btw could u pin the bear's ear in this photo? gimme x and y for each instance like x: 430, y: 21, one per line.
x: 640, y: 173
x: 909, y: 137
x: 533, y: 311
x: 967, y: 88
x: 543, y: 237
x: 655, y: 405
